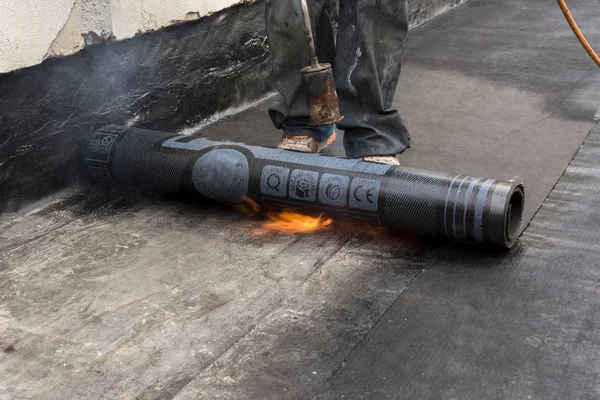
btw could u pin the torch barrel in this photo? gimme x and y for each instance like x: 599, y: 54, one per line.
x: 460, y: 207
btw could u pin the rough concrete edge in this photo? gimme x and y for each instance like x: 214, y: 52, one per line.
x: 106, y: 37
x: 93, y: 39
x: 58, y: 125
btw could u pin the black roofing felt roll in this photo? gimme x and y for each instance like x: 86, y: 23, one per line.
x: 459, y: 207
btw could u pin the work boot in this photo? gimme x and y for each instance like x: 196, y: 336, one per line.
x: 391, y: 160
x: 307, y: 144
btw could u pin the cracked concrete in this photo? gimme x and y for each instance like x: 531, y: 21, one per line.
x: 38, y: 29
x: 89, y: 21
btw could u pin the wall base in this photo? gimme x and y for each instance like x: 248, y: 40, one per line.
x: 170, y: 79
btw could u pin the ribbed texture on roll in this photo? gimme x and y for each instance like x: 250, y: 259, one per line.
x: 460, y: 207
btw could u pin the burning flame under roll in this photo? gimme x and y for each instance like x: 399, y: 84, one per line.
x: 286, y: 221
x: 291, y: 222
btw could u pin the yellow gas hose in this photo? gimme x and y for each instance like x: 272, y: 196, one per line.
x: 577, y: 31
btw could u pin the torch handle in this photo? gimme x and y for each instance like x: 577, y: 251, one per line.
x: 309, y: 36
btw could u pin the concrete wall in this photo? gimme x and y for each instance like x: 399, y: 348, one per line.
x: 33, y: 30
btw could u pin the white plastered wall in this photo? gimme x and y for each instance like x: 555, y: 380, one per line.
x: 33, y: 30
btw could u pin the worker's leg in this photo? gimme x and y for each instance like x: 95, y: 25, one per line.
x: 289, y: 54
x: 370, y: 40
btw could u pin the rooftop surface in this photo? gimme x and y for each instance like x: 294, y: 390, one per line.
x: 107, y: 295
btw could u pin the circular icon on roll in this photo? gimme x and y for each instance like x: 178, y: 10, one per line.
x: 333, y: 192
x: 274, y: 182
x: 303, y: 188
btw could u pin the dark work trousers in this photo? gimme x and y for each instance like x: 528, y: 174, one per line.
x: 366, y: 64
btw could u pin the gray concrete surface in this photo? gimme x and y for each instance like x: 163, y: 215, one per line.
x: 137, y: 299
x: 105, y: 295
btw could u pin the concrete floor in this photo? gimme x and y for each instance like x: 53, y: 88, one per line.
x: 105, y: 295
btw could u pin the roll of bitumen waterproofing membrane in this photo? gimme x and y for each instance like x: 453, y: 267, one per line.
x: 459, y: 207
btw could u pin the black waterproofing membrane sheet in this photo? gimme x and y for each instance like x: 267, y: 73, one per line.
x: 522, y: 325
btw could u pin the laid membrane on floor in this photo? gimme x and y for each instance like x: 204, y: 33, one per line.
x: 500, y: 89
x: 479, y: 326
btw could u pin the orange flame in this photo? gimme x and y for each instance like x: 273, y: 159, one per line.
x: 284, y: 221
x: 292, y: 222
x: 287, y: 221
